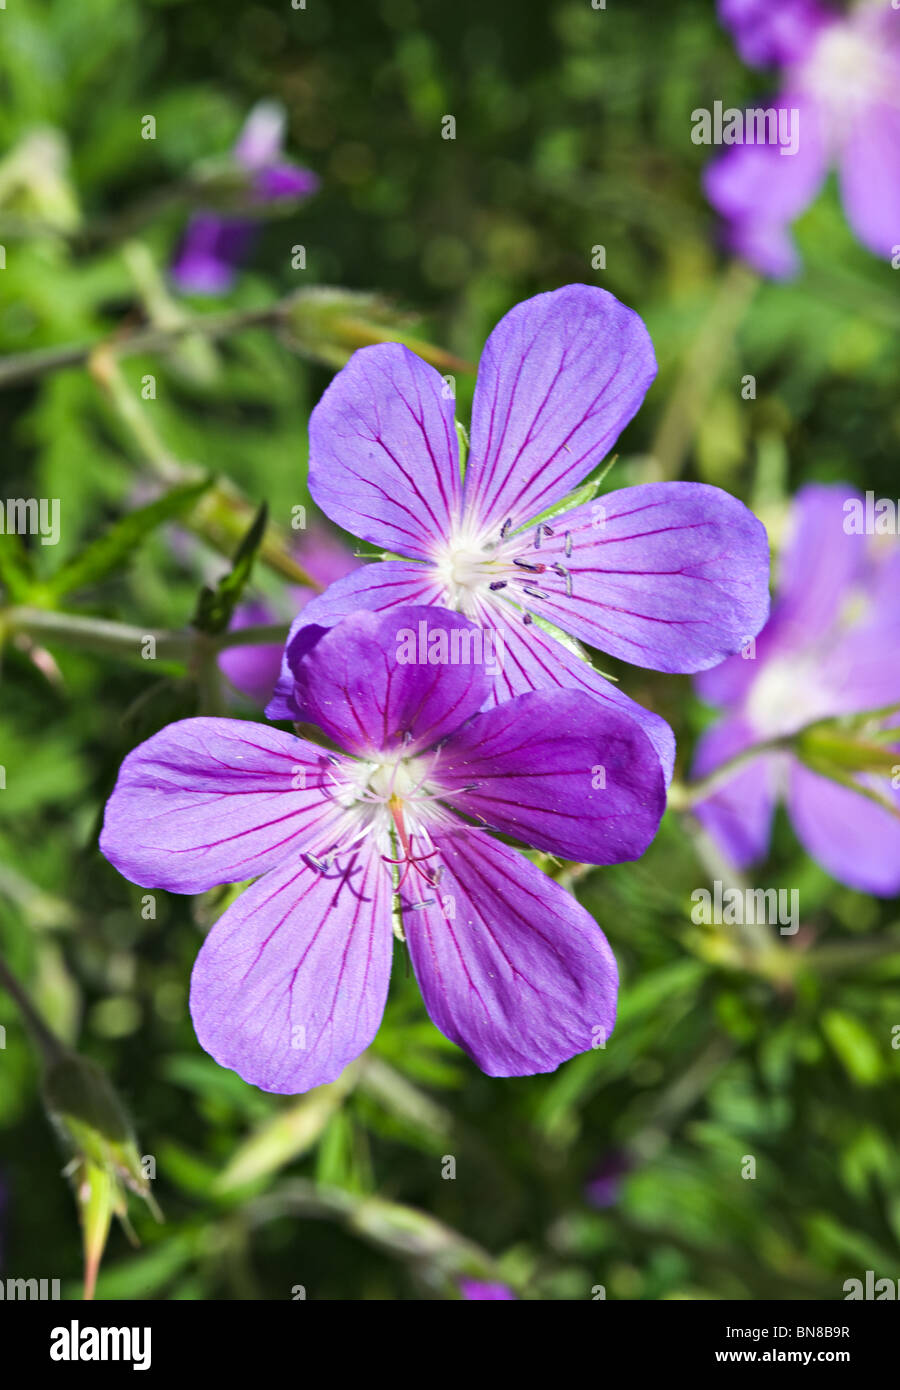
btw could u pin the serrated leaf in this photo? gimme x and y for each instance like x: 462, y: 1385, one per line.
x: 114, y: 549
x: 216, y: 606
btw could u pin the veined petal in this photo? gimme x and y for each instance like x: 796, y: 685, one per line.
x: 533, y: 660
x: 290, y: 984
x: 510, y: 966
x: 560, y: 377
x: 375, y: 587
x: 381, y: 680
x: 561, y: 772
x: 384, y: 456
x: 673, y: 576
x: 210, y: 801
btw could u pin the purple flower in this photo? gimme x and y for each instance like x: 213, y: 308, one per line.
x: 831, y: 648
x: 673, y: 576
x: 841, y: 75
x: 214, y: 246
x: 254, y: 670
x: 475, y: 1289
x: 290, y: 984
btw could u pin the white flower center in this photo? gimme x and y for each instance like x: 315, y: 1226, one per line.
x: 848, y: 68
x: 786, y: 696
x: 495, y: 566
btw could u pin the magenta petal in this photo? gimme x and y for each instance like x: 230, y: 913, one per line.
x: 291, y: 982
x: 673, y: 576
x: 209, y: 801
x: 511, y: 967
x: 854, y: 839
x: 561, y: 772
x: 356, y: 683
x: 560, y: 377
x: 739, y: 815
x: 384, y: 456
x: 384, y: 585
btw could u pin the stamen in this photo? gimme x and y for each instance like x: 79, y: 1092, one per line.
x: 563, y: 573
x: 542, y: 529
x: 568, y: 544
x: 498, y: 584
x: 527, y: 619
x: 505, y: 528
x: 535, y: 593
x: 526, y: 565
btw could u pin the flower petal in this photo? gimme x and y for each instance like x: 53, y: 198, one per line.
x: 533, y: 660
x: 384, y: 456
x: 290, y: 984
x: 209, y: 801
x: 379, y: 680
x: 377, y: 587
x: 869, y: 157
x: 510, y: 966
x: 560, y: 377
x: 855, y: 840
x: 739, y: 815
x: 673, y: 576
x: 560, y: 771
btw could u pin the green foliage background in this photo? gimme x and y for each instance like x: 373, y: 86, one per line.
x: 573, y: 131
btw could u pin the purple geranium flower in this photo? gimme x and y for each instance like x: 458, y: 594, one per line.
x: 254, y: 670
x: 841, y: 74
x: 214, y: 246
x: 831, y: 648
x: 605, y: 1183
x: 290, y: 985
x: 673, y: 576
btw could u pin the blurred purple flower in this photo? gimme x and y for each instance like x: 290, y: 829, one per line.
x: 671, y: 576
x: 291, y: 982
x: 830, y: 648
x: 604, y: 1185
x: 214, y: 246
x: 254, y: 670
x: 475, y: 1289
x: 841, y: 74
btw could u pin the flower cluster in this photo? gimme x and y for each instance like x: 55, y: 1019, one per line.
x: 453, y: 701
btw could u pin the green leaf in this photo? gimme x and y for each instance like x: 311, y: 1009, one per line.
x: 115, y: 548
x: 15, y: 568
x: 855, y: 1047
x: 216, y: 606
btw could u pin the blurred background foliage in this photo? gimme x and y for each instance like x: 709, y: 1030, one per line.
x: 572, y: 133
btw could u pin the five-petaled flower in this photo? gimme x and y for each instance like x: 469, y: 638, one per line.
x: 672, y: 576
x: 831, y: 648
x: 841, y: 75
x: 214, y: 245
x: 291, y: 983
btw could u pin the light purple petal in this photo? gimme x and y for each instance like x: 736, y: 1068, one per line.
x: 767, y: 247
x: 862, y: 668
x: 533, y: 660
x: 739, y: 815
x: 374, y: 587
x: 209, y: 801
x: 849, y: 835
x: 511, y: 967
x: 561, y: 772
x: 262, y: 135
x: 284, y: 182
x: 291, y: 982
x: 384, y: 457
x: 476, y: 1289
x: 252, y: 669
x: 870, y: 168
x: 560, y: 377
x: 356, y: 682
x: 673, y: 576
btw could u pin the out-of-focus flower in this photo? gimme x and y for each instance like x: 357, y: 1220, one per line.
x: 291, y: 982
x: 215, y: 245
x: 831, y: 649
x: 35, y: 183
x: 476, y: 1289
x: 671, y: 576
x: 253, y: 670
x: 841, y: 75
x: 604, y: 1185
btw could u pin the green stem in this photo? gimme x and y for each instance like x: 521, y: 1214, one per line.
x: 50, y: 1046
